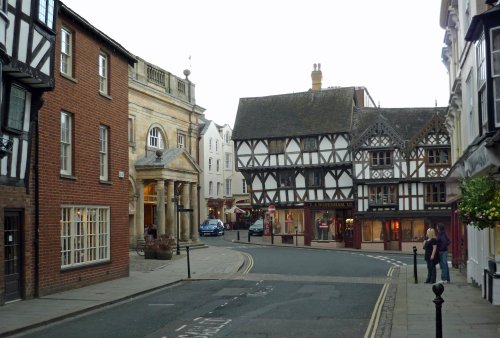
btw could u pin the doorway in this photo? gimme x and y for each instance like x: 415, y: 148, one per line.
x: 12, y: 255
x: 393, y: 238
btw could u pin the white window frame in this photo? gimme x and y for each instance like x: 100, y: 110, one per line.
x: 85, y: 235
x: 495, y: 73
x: 217, y: 165
x: 469, y: 101
x: 103, y: 73
x: 66, y: 154
x: 46, y: 12
x: 210, y: 188
x: 218, y: 189
x: 181, y: 141
x: 103, y: 153
x: 228, y: 187
x: 209, y: 164
x: 227, y: 161
x: 210, y: 144
x: 66, y: 52
x: 155, y: 138
x: 216, y: 146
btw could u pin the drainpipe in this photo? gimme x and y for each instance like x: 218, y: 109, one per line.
x: 37, y: 106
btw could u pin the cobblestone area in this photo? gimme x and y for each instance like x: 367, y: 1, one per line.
x: 386, y: 315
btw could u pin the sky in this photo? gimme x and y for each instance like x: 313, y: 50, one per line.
x: 239, y: 48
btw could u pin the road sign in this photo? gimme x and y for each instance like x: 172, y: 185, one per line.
x: 271, y: 208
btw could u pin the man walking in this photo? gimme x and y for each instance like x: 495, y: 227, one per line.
x: 442, y: 245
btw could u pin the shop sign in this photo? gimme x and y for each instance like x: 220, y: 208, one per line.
x: 331, y: 204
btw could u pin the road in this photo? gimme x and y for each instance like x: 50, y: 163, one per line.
x: 283, y: 292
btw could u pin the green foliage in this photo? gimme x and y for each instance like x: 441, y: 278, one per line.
x: 480, y: 203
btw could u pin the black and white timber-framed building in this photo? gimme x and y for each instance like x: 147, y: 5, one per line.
x: 340, y: 172
x: 27, y: 45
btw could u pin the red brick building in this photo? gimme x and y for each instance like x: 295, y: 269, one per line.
x: 80, y: 193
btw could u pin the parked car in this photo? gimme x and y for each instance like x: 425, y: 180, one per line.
x: 257, y: 228
x: 211, y: 227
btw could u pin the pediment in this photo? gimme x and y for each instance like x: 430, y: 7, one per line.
x: 168, y: 160
x: 380, y: 127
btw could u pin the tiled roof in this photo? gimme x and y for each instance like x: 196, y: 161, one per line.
x: 308, y: 113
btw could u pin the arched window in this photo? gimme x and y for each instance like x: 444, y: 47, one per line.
x: 155, y: 139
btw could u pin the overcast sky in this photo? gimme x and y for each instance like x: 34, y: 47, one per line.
x: 241, y: 48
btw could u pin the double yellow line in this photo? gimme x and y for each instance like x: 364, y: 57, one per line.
x: 249, y: 259
x: 371, y: 330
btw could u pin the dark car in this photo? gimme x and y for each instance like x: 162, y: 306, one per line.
x: 211, y: 227
x: 257, y: 228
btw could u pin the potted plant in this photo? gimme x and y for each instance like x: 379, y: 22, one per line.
x: 480, y: 203
x: 165, y: 247
x: 150, y: 247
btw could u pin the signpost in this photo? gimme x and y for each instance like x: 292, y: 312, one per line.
x: 180, y: 208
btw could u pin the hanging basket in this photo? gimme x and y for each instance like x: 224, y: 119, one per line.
x: 480, y: 203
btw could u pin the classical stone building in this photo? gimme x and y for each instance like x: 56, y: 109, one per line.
x: 163, y: 165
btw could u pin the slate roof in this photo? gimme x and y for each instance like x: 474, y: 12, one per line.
x: 299, y: 114
x: 153, y: 161
x: 407, y: 122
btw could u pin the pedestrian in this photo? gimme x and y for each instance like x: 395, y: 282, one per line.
x: 442, y: 245
x: 431, y: 255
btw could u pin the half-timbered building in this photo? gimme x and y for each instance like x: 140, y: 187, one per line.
x: 401, y: 157
x: 293, y: 151
x: 27, y: 38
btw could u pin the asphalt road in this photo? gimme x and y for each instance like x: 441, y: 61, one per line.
x: 285, y: 292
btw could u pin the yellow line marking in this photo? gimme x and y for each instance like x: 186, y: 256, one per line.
x: 373, y: 324
x: 250, y: 263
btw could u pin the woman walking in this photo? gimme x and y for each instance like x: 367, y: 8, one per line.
x: 431, y: 255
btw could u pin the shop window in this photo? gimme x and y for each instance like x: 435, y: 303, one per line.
x: 373, y: 231
x: 413, y: 230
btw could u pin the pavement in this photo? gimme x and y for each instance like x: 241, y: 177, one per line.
x: 464, y: 312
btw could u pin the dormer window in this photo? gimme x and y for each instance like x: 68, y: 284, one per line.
x: 381, y: 158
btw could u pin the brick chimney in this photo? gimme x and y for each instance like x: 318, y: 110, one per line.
x: 316, y: 77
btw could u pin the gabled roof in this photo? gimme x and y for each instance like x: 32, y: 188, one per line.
x: 408, y: 123
x: 299, y: 114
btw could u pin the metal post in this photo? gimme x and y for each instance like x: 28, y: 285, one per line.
x: 248, y: 236
x: 189, y: 266
x: 415, y: 264
x: 296, y: 237
x: 438, y: 290
x: 272, y: 235
x: 238, y: 235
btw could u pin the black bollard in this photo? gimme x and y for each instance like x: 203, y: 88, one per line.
x: 296, y: 238
x: 238, y: 235
x: 272, y: 236
x: 438, y: 290
x: 248, y: 236
x: 415, y: 264
x: 189, y: 266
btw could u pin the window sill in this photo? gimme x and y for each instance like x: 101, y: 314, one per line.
x: 84, y: 265
x: 105, y: 182
x: 105, y: 96
x: 68, y: 77
x: 69, y: 177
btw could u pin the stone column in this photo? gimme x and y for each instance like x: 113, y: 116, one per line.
x: 160, y: 206
x: 194, y: 215
x: 185, y: 233
x: 140, y: 210
x: 171, y: 225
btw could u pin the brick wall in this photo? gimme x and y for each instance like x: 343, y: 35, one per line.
x: 80, y: 97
